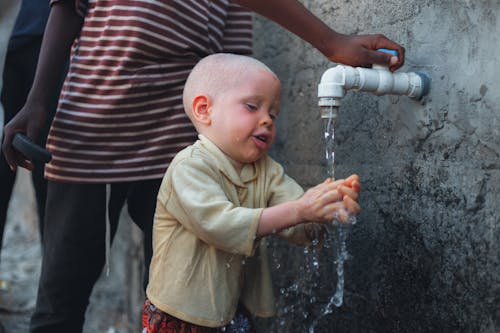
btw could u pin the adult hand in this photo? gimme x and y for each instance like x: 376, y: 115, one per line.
x: 27, y: 121
x: 360, y: 50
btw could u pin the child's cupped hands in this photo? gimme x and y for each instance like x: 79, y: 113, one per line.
x: 332, y: 199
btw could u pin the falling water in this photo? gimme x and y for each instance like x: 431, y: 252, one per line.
x: 337, y: 232
x: 336, y: 229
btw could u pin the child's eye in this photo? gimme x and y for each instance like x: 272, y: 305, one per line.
x: 251, y: 107
x: 273, y: 116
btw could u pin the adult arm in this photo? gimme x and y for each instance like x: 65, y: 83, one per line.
x: 356, y: 50
x: 63, y: 26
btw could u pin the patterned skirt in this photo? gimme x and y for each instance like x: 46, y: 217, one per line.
x: 156, y: 321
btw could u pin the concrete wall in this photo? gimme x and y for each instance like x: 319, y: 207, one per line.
x: 424, y: 253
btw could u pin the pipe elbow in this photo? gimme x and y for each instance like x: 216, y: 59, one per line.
x: 336, y: 81
x: 332, y: 83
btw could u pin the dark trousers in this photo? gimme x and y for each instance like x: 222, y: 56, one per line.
x: 74, y: 253
x: 18, y: 74
x: 19, y: 71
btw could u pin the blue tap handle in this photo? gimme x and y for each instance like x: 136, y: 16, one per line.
x: 393, y: 52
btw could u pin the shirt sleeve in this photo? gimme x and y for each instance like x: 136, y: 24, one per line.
x: 283, y: 188
x: 199, y: 202
x: 81, y: 6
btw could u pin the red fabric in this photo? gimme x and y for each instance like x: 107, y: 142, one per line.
x: 156, y: 321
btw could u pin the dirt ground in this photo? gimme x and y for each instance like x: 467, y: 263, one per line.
x: 111, y: 303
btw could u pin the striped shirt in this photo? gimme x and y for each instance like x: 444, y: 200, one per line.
x: 120, y: 115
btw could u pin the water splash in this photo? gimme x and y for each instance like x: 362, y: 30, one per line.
x: 337, y: 232
x: 298, y: 303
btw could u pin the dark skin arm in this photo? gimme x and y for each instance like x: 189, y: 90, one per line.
x: 64, y: 25
x: 358, y: 50
x: 62, y: 28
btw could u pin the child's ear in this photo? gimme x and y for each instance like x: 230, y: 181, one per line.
x: 201, y: 109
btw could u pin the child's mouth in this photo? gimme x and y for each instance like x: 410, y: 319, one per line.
x: 262, y: 138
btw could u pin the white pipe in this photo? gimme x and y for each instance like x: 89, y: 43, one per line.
x: 379, y: 80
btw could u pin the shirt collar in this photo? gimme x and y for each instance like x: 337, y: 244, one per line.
x: 248, y: 173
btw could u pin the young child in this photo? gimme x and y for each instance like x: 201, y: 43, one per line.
x: 221, y: 196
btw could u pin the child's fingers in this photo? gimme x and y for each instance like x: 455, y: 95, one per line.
x: 349, y: 192
x: 351, y: 205
x: 351, y: 178
x: 353, y: 182
x: 356, y: 186
x: 333, y: 196
x: 327, y: 181
x: 327, y: 186
x: 332, y: 210
x: 343, y: 216
x: 323, y: 202
x: 334, y: 183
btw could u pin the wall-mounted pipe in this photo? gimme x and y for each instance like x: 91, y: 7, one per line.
x: 336, y: 81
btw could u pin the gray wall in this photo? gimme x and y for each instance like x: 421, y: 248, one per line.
x: 424, y: 253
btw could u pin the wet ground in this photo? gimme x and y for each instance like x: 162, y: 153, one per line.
x: 113, y: 308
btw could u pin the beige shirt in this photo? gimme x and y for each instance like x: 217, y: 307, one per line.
x: 206, y: 256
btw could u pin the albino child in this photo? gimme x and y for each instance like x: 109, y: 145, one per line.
x: 221, y: 196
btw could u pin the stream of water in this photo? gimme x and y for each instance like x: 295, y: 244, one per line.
x: 337, y: 232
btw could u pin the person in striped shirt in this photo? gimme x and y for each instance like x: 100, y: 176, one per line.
x: 120, y: 119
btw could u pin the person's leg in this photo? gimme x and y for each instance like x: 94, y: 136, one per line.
x: 20, y: 66
x: 7, y: 178
x: 12, y: 99
x: 141, y: 207
x: 74, y: 254
x: 8, y: 16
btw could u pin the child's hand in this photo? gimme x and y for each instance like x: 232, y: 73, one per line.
x: 331, y: 200
x: 353, y: 182
x: 350, y: 199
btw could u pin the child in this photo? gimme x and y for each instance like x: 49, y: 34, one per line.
x: 221, y: 196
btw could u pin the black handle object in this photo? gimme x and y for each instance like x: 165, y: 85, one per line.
x: 29, y: 149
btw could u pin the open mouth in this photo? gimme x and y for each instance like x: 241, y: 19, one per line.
x: 261, y: 138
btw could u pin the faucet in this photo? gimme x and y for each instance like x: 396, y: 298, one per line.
x: 379, y: 80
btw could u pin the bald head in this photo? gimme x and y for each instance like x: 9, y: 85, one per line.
x: 215, y: 74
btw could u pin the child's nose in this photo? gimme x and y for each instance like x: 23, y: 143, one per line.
x: 266, y: 119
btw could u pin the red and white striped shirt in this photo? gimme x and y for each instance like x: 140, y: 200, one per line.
x: 120, y: 115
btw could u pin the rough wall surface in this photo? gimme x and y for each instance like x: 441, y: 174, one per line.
x: 424, y: 255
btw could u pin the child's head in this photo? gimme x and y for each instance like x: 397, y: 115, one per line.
x: 233, y: 100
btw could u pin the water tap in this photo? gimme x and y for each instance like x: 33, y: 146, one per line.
x: 336, y: 81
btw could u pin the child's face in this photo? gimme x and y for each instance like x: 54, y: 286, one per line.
x: 242, y: 118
